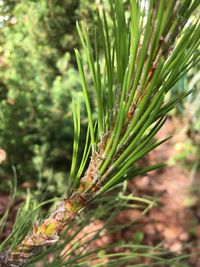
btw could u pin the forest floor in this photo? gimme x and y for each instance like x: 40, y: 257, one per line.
x: 175, y: 221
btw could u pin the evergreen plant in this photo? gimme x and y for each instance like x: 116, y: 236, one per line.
x: 143, y: 56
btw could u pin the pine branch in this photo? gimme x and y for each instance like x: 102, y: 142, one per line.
x: 141, y: 62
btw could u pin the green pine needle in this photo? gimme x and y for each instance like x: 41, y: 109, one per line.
x: 140, y: 58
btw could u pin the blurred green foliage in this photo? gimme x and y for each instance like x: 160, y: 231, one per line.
x: 38, y: 79
x: 191, y: 81
x: 188, y: 110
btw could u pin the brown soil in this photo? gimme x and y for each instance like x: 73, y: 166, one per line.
x: 175, y: 221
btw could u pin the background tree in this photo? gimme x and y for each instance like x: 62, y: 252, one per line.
x: 38, y: 81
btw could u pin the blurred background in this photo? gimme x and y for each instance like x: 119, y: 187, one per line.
x: 39, y: 79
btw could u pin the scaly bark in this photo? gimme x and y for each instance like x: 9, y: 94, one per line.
x: 49, y: 231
